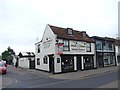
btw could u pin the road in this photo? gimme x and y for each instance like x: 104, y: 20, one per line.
x: 21, y: 78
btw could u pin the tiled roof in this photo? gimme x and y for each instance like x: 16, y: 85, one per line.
x: 104, y: 38
x: 77, y: 35
x: 26, y: 54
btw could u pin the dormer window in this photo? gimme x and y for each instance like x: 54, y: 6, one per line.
x: 83, y: 33
x: 70, y: 31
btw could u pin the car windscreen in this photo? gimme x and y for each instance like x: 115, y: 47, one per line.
x: 1, y: 64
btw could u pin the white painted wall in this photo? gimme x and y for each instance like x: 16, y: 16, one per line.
x: 75, y: 63
x: 23, y: 62
x: 47, y: 47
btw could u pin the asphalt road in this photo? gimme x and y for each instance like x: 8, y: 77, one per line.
x: 20, y: 78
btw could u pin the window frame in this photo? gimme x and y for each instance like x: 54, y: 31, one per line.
x: 38, y: 48
x: 88, y: 47
x: 45, y: 60
x: 38, y: 59
x: 66, y: 46
x: 70, y: 31
x: 100, y: 44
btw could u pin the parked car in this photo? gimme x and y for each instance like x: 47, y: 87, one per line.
x: 3, y: 68
x: 4, y: 62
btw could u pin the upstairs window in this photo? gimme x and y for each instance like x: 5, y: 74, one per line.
x: 66, y: 45
x: 98, y: 45
x: 45, y: 60
x: 38, y: 48
x: 84, y: 34
x: 88, y: 47
x: 108, y: 46
x: 70, y: 31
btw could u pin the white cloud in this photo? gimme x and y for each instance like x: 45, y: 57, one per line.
x: 22, y: 21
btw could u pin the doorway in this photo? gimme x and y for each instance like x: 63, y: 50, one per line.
x: 79, y: 64
x: 51, y: 63
x: 99, y: 59
x: 32, y: 63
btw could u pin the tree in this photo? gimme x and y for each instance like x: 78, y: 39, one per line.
x: 7, y: 55
x: 10, y: 50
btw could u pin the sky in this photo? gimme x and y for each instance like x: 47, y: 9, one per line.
x: 23, y: 21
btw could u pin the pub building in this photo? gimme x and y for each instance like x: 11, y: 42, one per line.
x: 105, y: 51
x: 64, y: 50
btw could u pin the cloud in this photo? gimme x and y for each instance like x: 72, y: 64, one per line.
x: 22, y: 21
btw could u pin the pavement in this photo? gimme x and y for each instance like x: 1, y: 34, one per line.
x: 76, y: 75
x: 85, y: 73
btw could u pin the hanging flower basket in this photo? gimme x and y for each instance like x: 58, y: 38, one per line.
x: 59, y: 44
x: 60, y: 53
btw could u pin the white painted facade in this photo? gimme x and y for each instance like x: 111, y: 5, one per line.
x: 117, y: 49
x: 48, y: 47
x: 24, y: 62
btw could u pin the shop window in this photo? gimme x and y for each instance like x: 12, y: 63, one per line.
x: 45, y: 60
x: 109, y: 59
x: 67, y: 63
x: 88, y: 62
x: 38, y: 48
x: 38, y: 61
x: 88, y: 47
x: 66, y: 45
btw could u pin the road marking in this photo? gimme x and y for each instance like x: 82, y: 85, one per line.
x: 16, y: 81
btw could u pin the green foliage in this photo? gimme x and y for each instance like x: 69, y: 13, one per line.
x: 7, y: 55
x: 0, y: 57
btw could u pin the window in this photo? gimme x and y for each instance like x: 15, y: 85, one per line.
x: 98, y: 45
x: 108, y: 46
x: 66, y: 45
x: 38, y: 48
x: 111, y: 46
x: 70, y: 31
x: 88, y: 47
x: 38, y: 61
x: 58, y: 60
x: 84, y: 34
x: 109, y: 59
x: 45, y: 61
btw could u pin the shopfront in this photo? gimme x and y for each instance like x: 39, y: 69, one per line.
x: 67, y: 63
x: 88, y: 62
x: 105, y: 59
x: 109, y: 59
